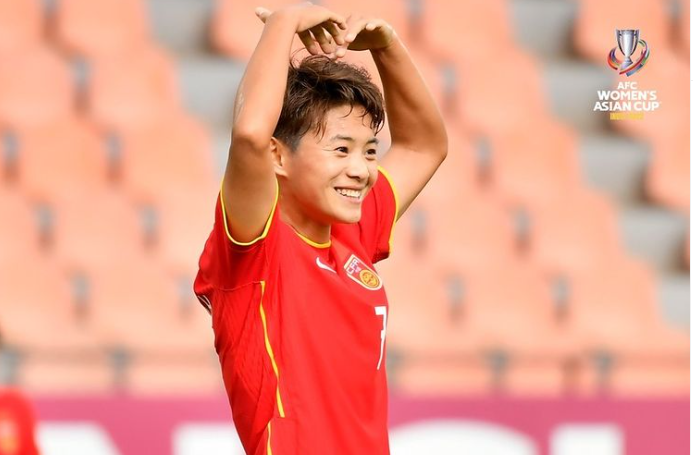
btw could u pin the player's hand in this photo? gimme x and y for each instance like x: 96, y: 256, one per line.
x: 364, y: 33
x: 320, y: 30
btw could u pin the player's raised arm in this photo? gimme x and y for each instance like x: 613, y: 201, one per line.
x: 249, y: 186
x: 419, y: 140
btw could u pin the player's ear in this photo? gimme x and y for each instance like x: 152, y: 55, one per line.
x: 279, y: 153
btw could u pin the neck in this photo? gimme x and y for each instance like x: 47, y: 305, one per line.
x: 311, y: 230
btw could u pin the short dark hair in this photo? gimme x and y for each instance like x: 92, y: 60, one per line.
x: 318, y: 84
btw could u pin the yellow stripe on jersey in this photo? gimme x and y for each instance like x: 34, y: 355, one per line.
x: 394, y: 192
x: 269, y: 436
x: 267, y: 225
x: 268, y: 346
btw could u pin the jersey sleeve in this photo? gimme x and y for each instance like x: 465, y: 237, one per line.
x: 378, y: 217
x: 226, y: 263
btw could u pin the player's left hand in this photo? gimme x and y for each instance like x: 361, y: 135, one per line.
x: 366, y: 33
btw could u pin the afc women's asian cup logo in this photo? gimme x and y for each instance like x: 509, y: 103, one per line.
x: 628, y: 41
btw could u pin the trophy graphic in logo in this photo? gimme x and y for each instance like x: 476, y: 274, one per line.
x: 628, y: 41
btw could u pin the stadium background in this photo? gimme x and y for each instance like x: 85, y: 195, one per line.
x: 539, y: 286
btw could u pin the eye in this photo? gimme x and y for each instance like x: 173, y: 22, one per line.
x: 342, y: 149
x: 371, y: 153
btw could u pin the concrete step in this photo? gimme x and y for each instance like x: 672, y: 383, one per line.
x: 615, y: 165
x: 181, y: 26
x: 655, y: 235
x: 544, y: 27
x: 208, y: 85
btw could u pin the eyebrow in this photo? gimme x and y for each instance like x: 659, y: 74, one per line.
x: 340, y: 137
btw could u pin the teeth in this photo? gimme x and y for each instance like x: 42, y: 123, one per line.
x: 349, y: 193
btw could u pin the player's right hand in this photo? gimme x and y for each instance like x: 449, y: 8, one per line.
x: 320, y: 30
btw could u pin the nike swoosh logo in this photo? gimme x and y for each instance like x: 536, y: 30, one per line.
x: 323, y: 266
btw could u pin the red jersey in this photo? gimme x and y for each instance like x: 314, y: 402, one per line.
x: 16, y: 424
x: 300, y: 331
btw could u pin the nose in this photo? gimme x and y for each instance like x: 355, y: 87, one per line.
x: 357, y: 167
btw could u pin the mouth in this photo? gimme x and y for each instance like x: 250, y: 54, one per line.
x: 351, y: 195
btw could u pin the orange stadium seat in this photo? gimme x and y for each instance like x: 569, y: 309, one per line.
x: 654, y: 379
x: 24, y: 307
x: 235, y: 30
x: 136, y: 304
x: 90, y: 374
x: 185, y: 222
x: 683, y: 28
x: 21, y: 25
x: 530, y: 169
x: 463, y: 29
x: 596, y: 22
x: 133, y: 90
x: 614, y: 310
x: 668, y: 176
x: 435, y: 379
x: 94, y: 228
x: 153, y: 377
x: 421, y: 321
x: 25, y: 97
x: 613, y: 307
x: 174, y: 153
x: 93, y: 28
x: 472, y: 232
x: 19, y: 234
x: 490, y: 102
x: 577, y: 231
x: 61, y: 158
x: 513, y: 309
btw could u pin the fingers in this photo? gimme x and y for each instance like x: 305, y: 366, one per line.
x: 309, y: 42
x: 324, y: 39
x: 262, y: 13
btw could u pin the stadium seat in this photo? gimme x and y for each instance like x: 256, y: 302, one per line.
x: 24, y: 308
x: 613, y: 308
x: 595, y: 25
x: 513, y: 309
x: 659, y: 378
x: 132, y: 91
x: 200, y: 376
x: 19, y: 235
x: 235, y: 30
x: 535, y: 378
x: 422, y: 320
x: 26, y: 99
x: 683, y: 28
x: 135, y: 304
x: 61, y: 158
x: 21, y: 25
x: 468, y: 233
x: 442, y: 379
x: 530, y: 169
x: 173, y: 153
x: 90, y: 374
x: 488, y: 101
x: 577, y: 231
x: 89, y: 229
x: 464, y: 29
x: 185, y: 222
x: 91, y: 28
x: 668, y: 176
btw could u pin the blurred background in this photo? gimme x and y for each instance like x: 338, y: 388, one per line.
x: 539, y: 286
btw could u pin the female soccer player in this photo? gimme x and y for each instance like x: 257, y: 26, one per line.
x: 299, y: 312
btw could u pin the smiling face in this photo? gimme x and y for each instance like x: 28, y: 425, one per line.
x: 327, y: 178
